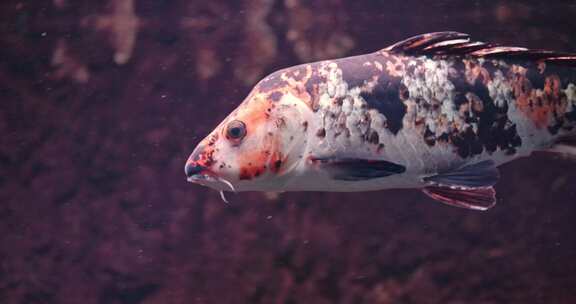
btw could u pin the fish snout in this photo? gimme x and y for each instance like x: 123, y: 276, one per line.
x: 198, y: 165
x: 192, y: 168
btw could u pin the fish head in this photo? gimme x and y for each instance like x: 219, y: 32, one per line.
x: 255, y: 148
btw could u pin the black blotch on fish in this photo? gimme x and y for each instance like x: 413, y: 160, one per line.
x: 555, y: 128
x: 443, y: 137
x: 312, y: 87
x: 385, y: 98
x: 429, y: 137
x: 403, y: 92
x: 460, y: 99
x: 494, y: 129
x: 537, y: 80
x: 276, y: 96
x: 373, y: 137
x: 321, y: 133
x: 271, y: 82
x: 467, y: 142
x: 313, y: 82
x: 354, y: 71
x: 277, y: 165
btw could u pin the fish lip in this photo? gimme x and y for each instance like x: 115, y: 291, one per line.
x: 201, y: 177
x: 211, y: 180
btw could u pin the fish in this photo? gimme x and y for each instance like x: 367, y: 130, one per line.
x: 438, y: 112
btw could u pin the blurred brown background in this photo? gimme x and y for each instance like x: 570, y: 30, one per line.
x: 102, y: 101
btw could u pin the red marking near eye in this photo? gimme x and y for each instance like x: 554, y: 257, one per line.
x: 253, y: 161
x: 266, y: 158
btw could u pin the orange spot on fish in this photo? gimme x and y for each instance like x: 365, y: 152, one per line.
x: 540, y: 105
x: 552, y: 86
x: 254, y: 163
x: 266, y: 159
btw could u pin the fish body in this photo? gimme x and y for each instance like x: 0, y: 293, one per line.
x: 436, y: 112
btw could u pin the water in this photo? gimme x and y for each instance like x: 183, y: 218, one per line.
x: 102, y: 103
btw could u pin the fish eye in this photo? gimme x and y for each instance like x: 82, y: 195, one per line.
x: 236, y: 130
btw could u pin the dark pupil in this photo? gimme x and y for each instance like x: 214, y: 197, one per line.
x: 235, y: 132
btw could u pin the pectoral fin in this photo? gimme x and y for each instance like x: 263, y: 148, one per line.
x: 355, y: 169
x: 467, y: 187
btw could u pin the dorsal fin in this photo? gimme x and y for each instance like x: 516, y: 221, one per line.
x: 420, y: 42
x: 460, y: 44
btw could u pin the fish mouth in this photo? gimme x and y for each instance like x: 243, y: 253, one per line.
x: 202, y: 178
x: 199, y: 174
x: 202, y: 175
x: 210, y: 180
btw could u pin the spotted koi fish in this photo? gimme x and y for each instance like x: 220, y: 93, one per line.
x: 437, y: 112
